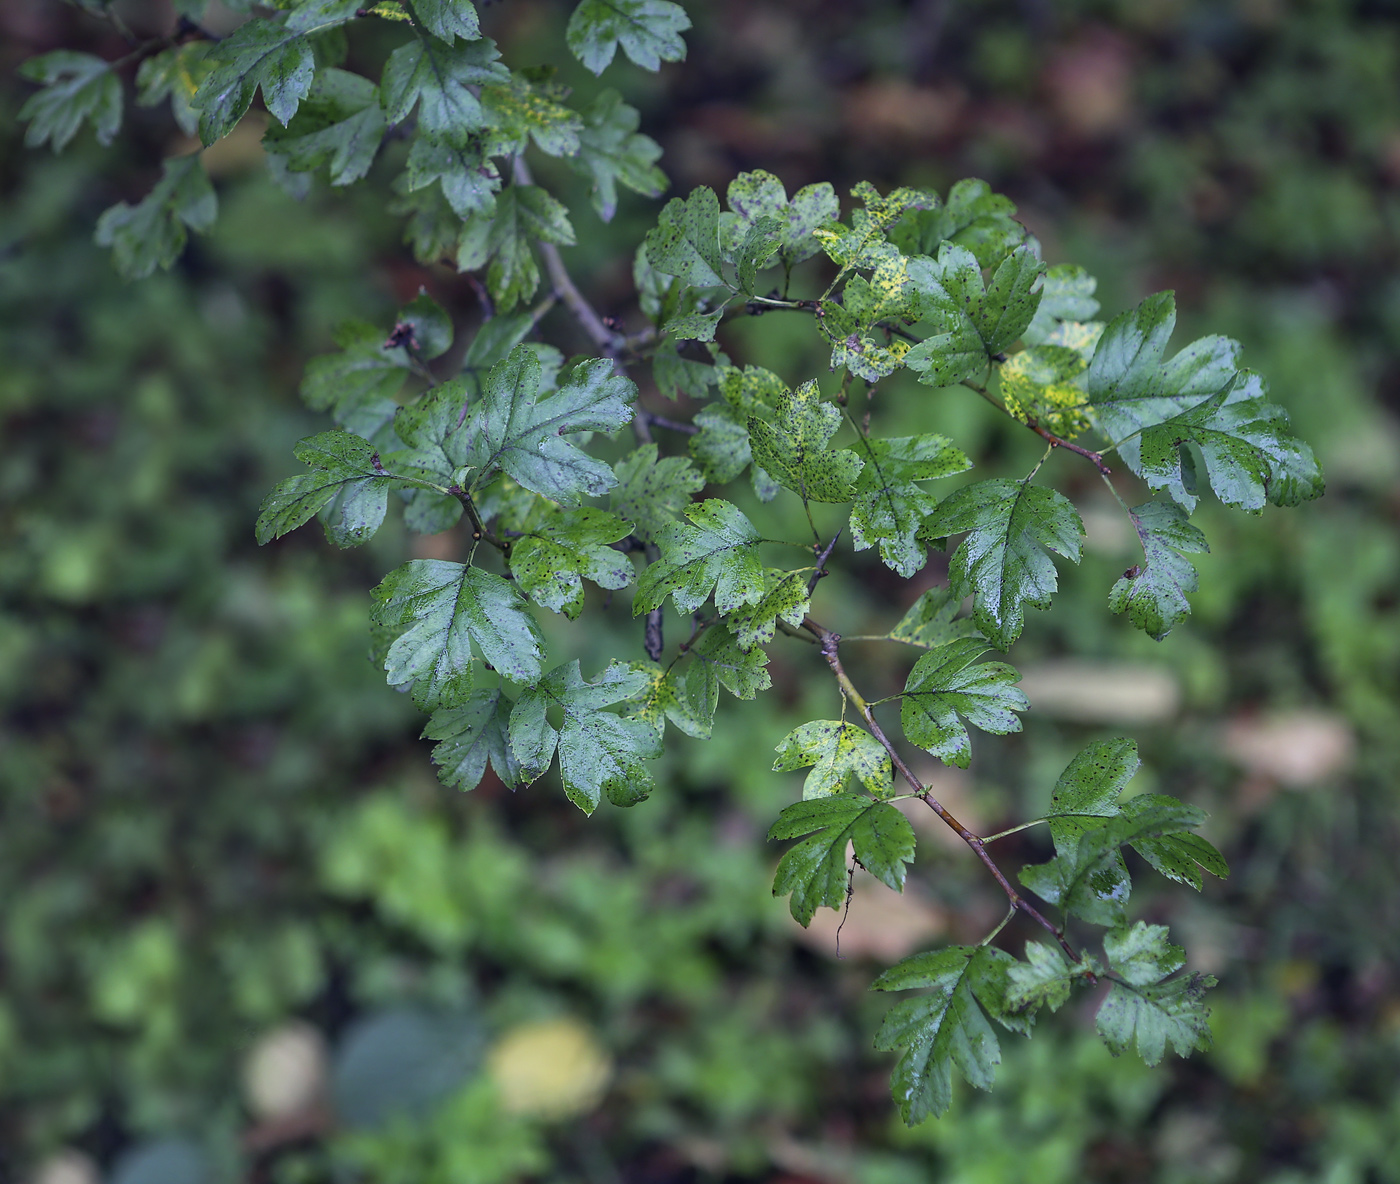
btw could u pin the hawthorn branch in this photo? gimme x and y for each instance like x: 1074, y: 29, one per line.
x: 829, y: 641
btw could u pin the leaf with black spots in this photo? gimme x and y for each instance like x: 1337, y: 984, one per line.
x: 445, y: 612
x: 815, y: 872
x: 793, y: 448
x: 715, y: 552
x: 599, y: 751
x: 551, y: 563
x: 836, y: 750
x: 947, y: 1028
x: 470, y: 736
x: 949, y: 686
x: 1154, y: 592
x: 1004, y: 562
x: 514, y: 430
x: 889, y: 508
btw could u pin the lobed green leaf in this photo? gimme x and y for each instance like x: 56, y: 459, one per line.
x: 815, y: 872
x: 947, y: 686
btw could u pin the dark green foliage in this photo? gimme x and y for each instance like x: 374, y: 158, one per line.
x: 152, y: 233
x: 503, y: 449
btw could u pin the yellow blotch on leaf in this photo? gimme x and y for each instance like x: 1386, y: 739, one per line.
x: 1037, y: 385
x: 550, y: 1069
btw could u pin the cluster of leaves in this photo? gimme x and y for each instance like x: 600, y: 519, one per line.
x: 517, y: 443
x: 463, y: 114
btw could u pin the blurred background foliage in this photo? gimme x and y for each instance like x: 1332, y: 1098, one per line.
x: 247, y: 937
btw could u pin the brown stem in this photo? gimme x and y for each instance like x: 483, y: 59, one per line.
x: 1055, y: 442
x: 673, y: 425
x: 479, y: 531
x: 607, y: 341
x: 829, y: 642
x: 822, y: 556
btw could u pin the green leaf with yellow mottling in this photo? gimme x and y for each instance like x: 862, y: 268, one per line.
x: 836, y: 750
x: 793, y: 448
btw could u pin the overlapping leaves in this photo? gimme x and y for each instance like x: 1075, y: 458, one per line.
x: 600, y: 752
x: 1089, y: 824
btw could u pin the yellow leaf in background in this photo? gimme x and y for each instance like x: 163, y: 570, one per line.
x: 550, y: 1069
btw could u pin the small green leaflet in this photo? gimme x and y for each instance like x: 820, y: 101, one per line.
x: 717, y: 551
x: 648, y: 31
x: 1141, y: 955
x: 721, y: 446
x: 174, y: 73
x: 468, y: 182
x: 836, y: 750
x: 947, y: 686
x: 346, y: 472
x: 1044, y: 979
x: 1141, y: 1008
x: 549, y: 565
x: 756, y: 195
x: 687, y: 696
x: 786, y: 598
x: 1251, y: 455
x: 1003, y: 561
x: 1088, y: 790
x: 612, y: 153
x: 651, y: 492
x: 930, y: 621
x: 946, y: 1028
x: 443, y: 81
x: 340, y: 124
x: 1130, y: 386
x: 1154, y: 593
x: 261, y: 53
x: 523, y: 213
x: 1066, y: 295
x: 718, y: 659
x: 793, y: 449
x: 1089, y: 824
x: 152, y: 233
x: 973, y: 321
x: 442, y: 610
x: 815, y: 872
x: 889, y: 508
x: 599, y: 752
x: 470, y: 735
x: 973, y: 217
x: 77, y: 87
x: 366, y: 371
x: 693, y: 326
x: 448, y: 18
x: 685, y: 241
x: 514, y: 430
